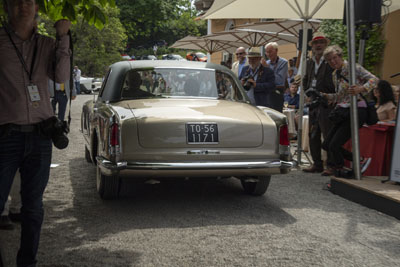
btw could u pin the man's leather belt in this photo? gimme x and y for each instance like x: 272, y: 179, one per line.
x: 28, y: 128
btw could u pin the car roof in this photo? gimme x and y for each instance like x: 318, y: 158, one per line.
x: 163, y: 63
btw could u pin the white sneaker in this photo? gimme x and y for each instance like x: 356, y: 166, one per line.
x: 364, y: 163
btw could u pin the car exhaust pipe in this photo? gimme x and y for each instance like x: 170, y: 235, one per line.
x: 152, y: 181
x: 250, y: 180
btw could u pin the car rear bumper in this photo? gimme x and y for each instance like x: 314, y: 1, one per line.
x: 194, y: 169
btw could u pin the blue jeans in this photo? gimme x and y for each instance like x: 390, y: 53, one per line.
x: 62, y: 100
x: 78, y: 87
x: 31, y: 153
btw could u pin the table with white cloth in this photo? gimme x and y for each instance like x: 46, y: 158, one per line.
x: 290, y: 115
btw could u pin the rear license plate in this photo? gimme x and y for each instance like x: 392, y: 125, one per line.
x: 202, y: 133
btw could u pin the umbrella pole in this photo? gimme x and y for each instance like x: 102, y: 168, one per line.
x: 209, y: 32
x: 301, y: 104
x: 351, y: 47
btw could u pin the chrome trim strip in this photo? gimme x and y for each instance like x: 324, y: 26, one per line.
x: 194, y: 165
x: 202, y: 152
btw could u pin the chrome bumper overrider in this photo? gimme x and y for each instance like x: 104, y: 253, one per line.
x: 270, y: 166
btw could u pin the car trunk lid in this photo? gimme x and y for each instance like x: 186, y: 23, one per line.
x: 180, y: 123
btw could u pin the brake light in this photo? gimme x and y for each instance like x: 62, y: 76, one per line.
x: 284, y: 135
x: 114, y: 139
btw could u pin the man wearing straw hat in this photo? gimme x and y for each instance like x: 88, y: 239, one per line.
x: 257, y: 80
x: 319, y: 77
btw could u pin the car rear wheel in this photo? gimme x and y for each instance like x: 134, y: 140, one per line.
x: 257, y: 186
x: 107, y: 186
x: 87, y: 155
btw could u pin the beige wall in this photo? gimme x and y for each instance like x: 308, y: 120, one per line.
x: 391, y: 55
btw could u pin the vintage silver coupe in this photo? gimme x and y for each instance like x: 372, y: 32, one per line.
x: 158, y: 119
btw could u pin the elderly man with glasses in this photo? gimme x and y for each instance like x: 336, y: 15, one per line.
x: 242, y: 61
x: 279, y: 66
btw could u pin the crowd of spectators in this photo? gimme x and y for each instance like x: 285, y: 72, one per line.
x: 326, y: 75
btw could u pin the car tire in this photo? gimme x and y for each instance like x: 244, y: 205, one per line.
x: 107, y: 186
x: 87, y: 155
x: 256, y: 188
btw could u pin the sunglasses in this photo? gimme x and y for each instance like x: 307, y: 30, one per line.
x: 239, y: 53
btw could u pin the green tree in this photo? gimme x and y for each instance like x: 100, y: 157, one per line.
x: 94, y: 49
x: 337, y: 33
x: 91, y: 10
x: 147, y: 21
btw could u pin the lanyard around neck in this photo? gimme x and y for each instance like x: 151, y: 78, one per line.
x: 21, y: 58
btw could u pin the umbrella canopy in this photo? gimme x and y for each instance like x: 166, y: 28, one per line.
x: 304, y: 9
x: 252, y: 38
x: 288, y: 26
x: 206, y: 44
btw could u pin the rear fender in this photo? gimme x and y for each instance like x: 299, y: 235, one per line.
x: 280, y: 120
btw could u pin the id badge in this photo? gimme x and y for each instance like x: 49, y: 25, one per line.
x: 314, y: 83
x: 33, y: 93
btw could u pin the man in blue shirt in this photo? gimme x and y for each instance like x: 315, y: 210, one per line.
x: 292, y: 97
x: 280, y: 68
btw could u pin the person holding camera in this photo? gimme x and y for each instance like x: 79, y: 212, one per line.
x: 340, y: 115
x: 28, y: 60
x: 257, y: 80
x: 318, y: 79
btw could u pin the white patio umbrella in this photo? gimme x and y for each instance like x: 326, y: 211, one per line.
x: 288, y: 26
x: 281, y: 9
x: 252, y: 38
x: 290, y: 9
x: 205, y: 44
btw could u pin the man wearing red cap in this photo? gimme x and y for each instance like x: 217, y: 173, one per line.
x: 318, y: 77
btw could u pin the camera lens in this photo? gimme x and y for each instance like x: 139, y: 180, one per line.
x: 60, y: 141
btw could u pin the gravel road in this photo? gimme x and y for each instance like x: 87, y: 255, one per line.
x: 202, y: 223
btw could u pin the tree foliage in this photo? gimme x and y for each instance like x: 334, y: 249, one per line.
x: 337, y: 33
x: 90, y: 10
x: 103, y: 29
x: 147, y: 21
x: 94, y: 49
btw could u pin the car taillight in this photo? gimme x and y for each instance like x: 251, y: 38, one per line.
x: 284, y: 135
x: 114, y: 138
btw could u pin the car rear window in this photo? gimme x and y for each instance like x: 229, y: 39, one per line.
x: 180, y: 82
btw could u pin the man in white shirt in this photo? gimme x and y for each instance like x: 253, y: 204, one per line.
x: 242, y: 61
x: 77, y: 79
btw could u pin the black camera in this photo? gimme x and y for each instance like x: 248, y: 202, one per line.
x: 247, y: 85
x: 316, y: 99
x: 56, y: 130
